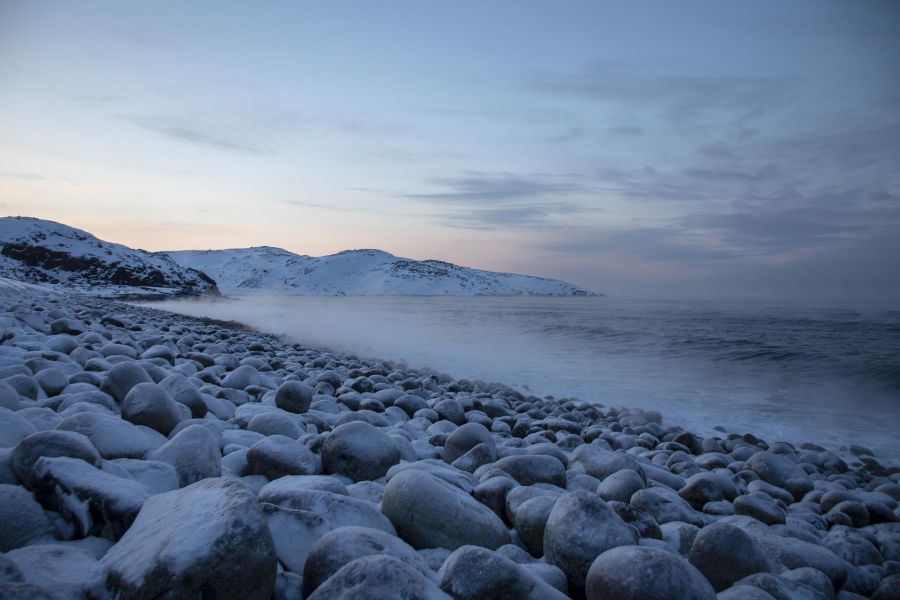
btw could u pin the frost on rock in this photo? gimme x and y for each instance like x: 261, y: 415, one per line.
x: 205, y: 540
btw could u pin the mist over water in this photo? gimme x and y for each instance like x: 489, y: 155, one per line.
x: 785, y: 371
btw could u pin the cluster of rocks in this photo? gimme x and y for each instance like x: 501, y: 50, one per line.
x: 150, y: 455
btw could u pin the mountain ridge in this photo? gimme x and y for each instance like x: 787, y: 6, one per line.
x: 46, y: 252
x: 358, y: 272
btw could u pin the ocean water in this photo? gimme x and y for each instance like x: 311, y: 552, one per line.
x: 783, y: 371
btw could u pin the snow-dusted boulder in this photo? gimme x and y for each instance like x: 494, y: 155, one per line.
x: 206, y: 540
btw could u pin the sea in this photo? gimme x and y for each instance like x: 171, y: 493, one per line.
x: 783, y: 371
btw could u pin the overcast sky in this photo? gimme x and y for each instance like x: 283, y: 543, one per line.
x: 668, y: 148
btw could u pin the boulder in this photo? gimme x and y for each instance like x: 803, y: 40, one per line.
x: 194, y: 452
x: 474, y: 573
x: 149, y: 404
x: 50, y: 444
x: 67, y: 571
x: 97, y: 502
x: 111, y: 436
x: 206, y: 540
x: 360, y: 451
x: 301, y: 517
x: 24, y: 521
x: 277, y: 456
x: 464, y: 438
x: 582, y: 526
x: 642, y: 573
x: 726, y: 554
x: 294, y: 396
x: 342, y: 546
x: 429, y: 512
x: 379, y: 576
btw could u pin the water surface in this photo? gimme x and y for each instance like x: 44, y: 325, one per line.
x: 784, y: 371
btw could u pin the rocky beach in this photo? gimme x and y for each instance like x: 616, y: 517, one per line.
x: 146, y: 454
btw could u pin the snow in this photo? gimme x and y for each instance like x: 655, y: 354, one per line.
x: 357, y: 273
x: 46, y: 252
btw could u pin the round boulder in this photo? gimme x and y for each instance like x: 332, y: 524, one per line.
x: 429, y: 512
x: 644, y: 573
x: 581, y: 526
x: 294, y: 396
x: 360, y: 451
x: 151, y: 405
x: 277, y: 456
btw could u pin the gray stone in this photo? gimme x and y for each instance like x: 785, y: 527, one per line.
x: 206, y: 540
x: 474, y: 573
x: 194, y: 452
x: 342, y: 546
x: 360, y: 451
x: 642, y: 573
x: 67, y: 571
x: 294, y: 396
x: 302, y: 517
x: 621, y: 485
x: 124, y: 376
x: 378, y: 577
x: 24, y: 521
x: 277, y: 456
x: 464, y: 438
x: 429, y: 512
x: 531, y: 469
x: 726, y: 554
x: 49, y: 444
x: 581, y: 526
x: 531, y: 519
x: 150, y: 405
x: 97, y: 502
x: 111, y: 436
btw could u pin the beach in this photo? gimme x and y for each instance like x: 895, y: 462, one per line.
x: 151, y: 454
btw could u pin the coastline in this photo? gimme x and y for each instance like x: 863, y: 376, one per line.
x: 451, y: 473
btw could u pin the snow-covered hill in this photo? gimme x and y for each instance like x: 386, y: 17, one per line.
x: 357, y: 273
x: 46, y: 252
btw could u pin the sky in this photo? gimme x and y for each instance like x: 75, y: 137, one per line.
x: 635, y: 148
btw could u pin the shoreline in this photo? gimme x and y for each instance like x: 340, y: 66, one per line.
x: 128, y: 424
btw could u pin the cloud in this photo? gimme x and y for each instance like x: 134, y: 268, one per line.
x: 203, y: 134
x: 626, y: 130
x: 481, y: 200
x: 681, y: 97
